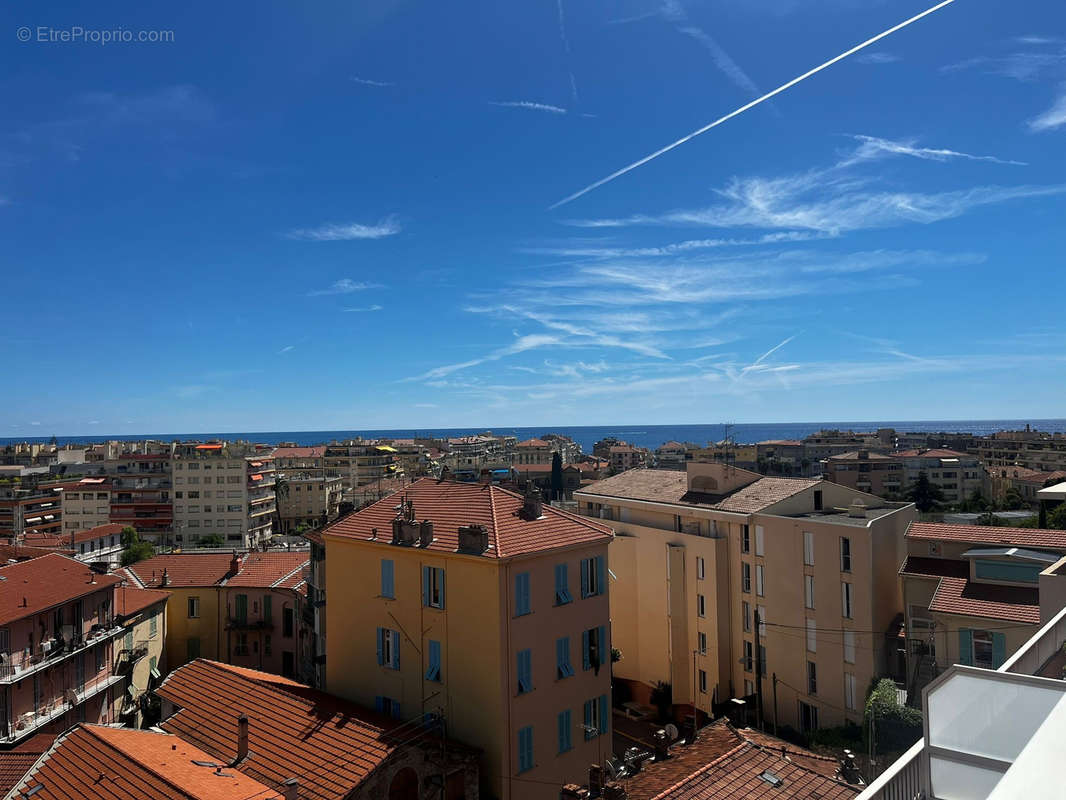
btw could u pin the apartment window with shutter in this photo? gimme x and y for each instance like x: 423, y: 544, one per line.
x: 812, y: 678
x: 745, y: 577
x: 433, y: 587
x: 703, y: 681
x: 808, y: 591
x: 594, y: 648
x: 746, y: 609
x: 596, y: 711
x: 701, y: 642
x: 747, y: 656
x: 153, y: 626
x: 849, y: 691
x: 812, y: 636
x: 388, y: 646
x: 845, y: 599
x: 388, y: 578
x: 762, y: 659
x: 522, y: 603
x: 562, y: 585
x: 762, y: 621
x: 433, y: 670
x: 563, y: 667
x: 194, y: 607
x: 593, y: 576
x: 565, y: 731
x: 760, y: 549
x: 849, y: 647
x: 701, y: 568
x: 808, y: 549
x: 524, y: 668
x: 525, y: 748
x: 845, y: 554
x: 701, y: 605
x: 760, y: 586
x: 268, y: 608
x: 745, y: 539
x: 242, y: 609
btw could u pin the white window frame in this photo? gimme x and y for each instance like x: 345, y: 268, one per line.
x: 849, y: 691
x: 812, y: 636
x: 760, y: 543
x: 808, y: 591
x: 808, y: 549
x: 849, y: 647
x: 760, y: 581
x: 390, y: 648
x: 845, y: 566
x: 701, y: 568
x: 846, y: 600
x: 701, y: 605
x: 746, y: 609
x: 701, y: 642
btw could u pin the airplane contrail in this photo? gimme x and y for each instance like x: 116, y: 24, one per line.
x: 746, y: 106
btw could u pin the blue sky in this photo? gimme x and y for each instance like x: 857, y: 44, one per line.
x: 337, y: 215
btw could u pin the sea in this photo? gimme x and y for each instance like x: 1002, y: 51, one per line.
x: 650, y: 436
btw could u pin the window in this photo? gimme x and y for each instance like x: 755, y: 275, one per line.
x: 701, y: 605
x: 242, y: 643
x: 760, y: 549
x: 127, y: 640
x: 241, y: 602
x: 387, y: 706
x: 593, y: 647
x: 701, y: 643
x: 808, y: 549
x: 849, y: 691
x: 433, y: 670
x: 563, y: 667
x: 845, y: 599
x: 701, y: 568
x: 817, y: 499
x: 562, y: 585
x: 849, y: 646
x: 593, y: 576
x: 192, y: 648
x: 762, y: 659
x: 99, y: 659
x: 565, y: 729
x: 808, y: 591
x: 808, y: 717
x: 812, y: 678
x: 760, y: 587
x: 388, y: 648
x: 521, y: 594
x: 761, y: 611
x: 845, y: 554
x: 525, y: 748
x: 267, y: 649
x: 433, y: 587
x: 746, y: 609
x: 747, y: 655
x: 745, y: 577
x: 703, y: 682
x: 524, y: 667
x: 745, y: 539
x: 153, y: 626
x: 287, y: 622
x: 596, y: 711
x: 812, y: 636
x: 979, y: 648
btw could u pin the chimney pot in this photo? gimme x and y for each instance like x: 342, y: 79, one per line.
x: 242, y: 739
x: 425, y: 533
x: 291, y: 789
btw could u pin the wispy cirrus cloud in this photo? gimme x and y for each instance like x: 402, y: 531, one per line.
x: 344, y: 286
x: 369, y: 82
x: 529, y: 105
x: 873, y: 147
x: 1053, y: 118
x: 674, y: 12
x: 878, y: 57
x: 287, y: 349
x: 374, y: 307
x: 333, y: 232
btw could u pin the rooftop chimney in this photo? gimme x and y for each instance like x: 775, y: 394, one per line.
x: 234, y: 564
x: 165, y: 580
x: 242, y: 739
x: 572, y: 791
x: 425, y: 533
x: 614, y: 791
x: 291, y: 789
x: 532, y: 505
x: 595, y: 780
x: 857, y: 509
x: 473, y: 539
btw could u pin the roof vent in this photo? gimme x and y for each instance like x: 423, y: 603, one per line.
x: 473, y: 539
x: 857, y: 509
x: 774, y: 780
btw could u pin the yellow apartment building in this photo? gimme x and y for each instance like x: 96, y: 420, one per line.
x: 697, y: 553
x: 141, y: 649
x: 490, y: 609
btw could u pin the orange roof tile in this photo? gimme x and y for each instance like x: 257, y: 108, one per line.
x: 100, y: 531
x: 97, y: 762
x: 130, y: 600
x: 293, y: 730
x: 533, y: 443
x: 971, y: 599
x: 183, y: 569
x: 934, y: 453
x: 449, y: 505
x: 13, y: 766
x: 298, y: 452
x: 20, y: 552
x: 264, y: 570
x: 30, y: 587
x: 987, y: 534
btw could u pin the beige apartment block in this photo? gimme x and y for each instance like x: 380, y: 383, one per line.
x: 359, y: 463
x: 696, y: 554
x: 307, y: 499
x: 867, y: 471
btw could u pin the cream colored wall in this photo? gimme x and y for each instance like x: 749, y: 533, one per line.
x: 947, y: 634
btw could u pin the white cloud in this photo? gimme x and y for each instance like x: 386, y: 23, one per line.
x: 369, y: 82
x: 674, y: 12
x: 877, y: 57
x: 344, y: 286
x: 1054, y: 117
x: 348, y: 231
x: 521, y: 345
x: 374, y: 307
x: 873, y: 147
x: 287, y: 349
x: 528, y: 104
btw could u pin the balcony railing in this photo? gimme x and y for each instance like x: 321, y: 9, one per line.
x: 12, y: 730
x: 17, y: 665
x: 235, y: 623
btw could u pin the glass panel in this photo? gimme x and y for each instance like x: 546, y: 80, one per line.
x: 954, y: 781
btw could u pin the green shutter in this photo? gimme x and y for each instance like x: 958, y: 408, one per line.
x: 966, y: 647
x: 999, y: 649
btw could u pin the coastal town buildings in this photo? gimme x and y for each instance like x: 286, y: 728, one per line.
x: 358, y: 462
x: 958, y: 475
x: 673, y: 455
x: 872, y: 472
x: 307, y: 500
x: 1027, y: 448
x: 28, y: 506
x: 532, y: 451
x: 484, y: 608
x: 624, y: 456
x: 698, y: 554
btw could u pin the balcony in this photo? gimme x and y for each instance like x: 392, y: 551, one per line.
x: 16, y: 666
x: 48, y: 711
x: 238, y: 624
x: 259, y: 511
x: 128, y: 656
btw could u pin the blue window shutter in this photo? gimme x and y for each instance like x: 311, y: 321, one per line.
x: 562, y: 732
x: 601, y: 575
x: 381, y: 646
x: 396, y: 710
x: 387, y: 582
x: 379, y: 703
x: 966, y: 647
x: 433, y: 673
x: 603, y: 713
x: 395, y: 649
x: 525, y: 593
x: 584, y: 577
x: 441, y: 584
x: 588, y: 719
x: 999, y: 649
x: 586, y: 662
x: 425, y: 586
x: 560, y: 657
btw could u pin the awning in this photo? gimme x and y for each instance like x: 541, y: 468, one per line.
x: 92, y: 480
x: 386, y: 448
x: 256, y: 463
x: 49, y: 516
x: 208, y: 447
x: 32, y: 519
x: 256, y: 477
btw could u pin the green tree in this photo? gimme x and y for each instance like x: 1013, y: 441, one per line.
x: 1012, y: 499
x: 133, y: 549
x: 557, y: 475
x: 212, y: 540
x: 1056, y: 517
x: 926, y: 496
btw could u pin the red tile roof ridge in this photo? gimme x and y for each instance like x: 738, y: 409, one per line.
x: 288, y: 575
x: 131, y: 599
x: 705, y: 768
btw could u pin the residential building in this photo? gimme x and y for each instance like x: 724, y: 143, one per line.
x: 673, y: 455
x: 540, y: 476
x: 245, y: 610
x: 86, y: 504
x: 416, y: 456
x: 62, y: 632
x: 1028, y: 448
x: 141, y: 614
x: 728, y: 452
x: 624, y: 456
x: 697, y: 554
x: 565, y: 446
x: 223, y: 489
x: 371, y: 492
x: 29, y: 506
x: 722, y: 761
x: 467, y: 456
x: 314, y: 614
x: 140, y: 486
x: 828, y: 443
x: 290, y: 458
x: 533, y: 451
x: 358, y: 462
x: 874, y: 473
x: 101, y: 545
x: 307, y: 499
x: 992, y: 734
x: 782, y: 457
x: 484, y: 608
x: 971, y: 594
x: 956, y: 474
x: 1026, y: 482
x: 309, y: 745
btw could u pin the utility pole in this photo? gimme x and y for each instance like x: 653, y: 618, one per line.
x: 758, y: 673
x: 775, y: 704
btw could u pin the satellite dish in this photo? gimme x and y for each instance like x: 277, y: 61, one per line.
x: 671, y: 731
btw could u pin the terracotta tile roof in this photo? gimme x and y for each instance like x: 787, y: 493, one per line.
x: 130, y: 600
x: 382, y: 487
x: 97, y: 762
x: 971, y: 599
x: 21, y: 552
x: 100, y: 531
x: 298, y: 452
x: 854, y: 456
x: 449, y: 505
x: 725, y: 763
x: 264, y: 570
x: 923, y: 567
x: 533, y: 443
x: 934, y: 453
x: 30, y: 587
x: 293, y: 730
x: 987, y: 534
x: 183, y: 569
x: 13, y: 766
x: 764, y: 492
x: 38, y: 743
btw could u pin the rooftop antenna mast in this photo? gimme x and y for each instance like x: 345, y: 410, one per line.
x: 729, y: 444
